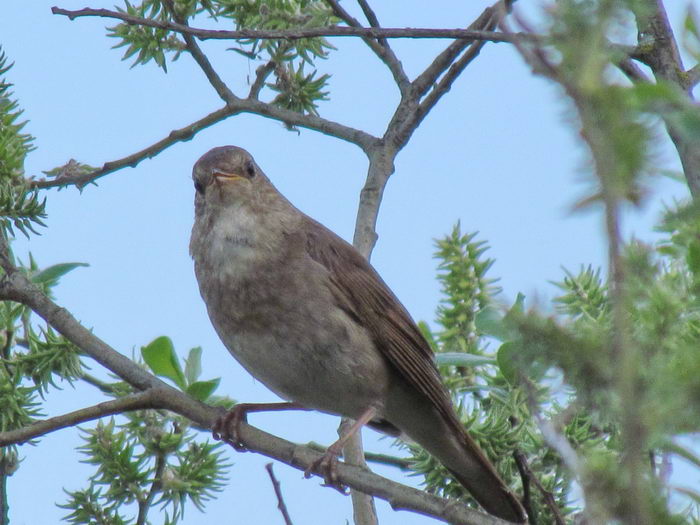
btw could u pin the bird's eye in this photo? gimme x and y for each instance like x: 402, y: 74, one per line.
x: 199, y: 187
x: 250, y: 169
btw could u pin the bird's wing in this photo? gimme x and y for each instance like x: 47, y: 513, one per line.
x: 363, y: 295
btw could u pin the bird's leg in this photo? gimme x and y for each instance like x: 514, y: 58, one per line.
x: 327, y: 465
x: 226, y: 428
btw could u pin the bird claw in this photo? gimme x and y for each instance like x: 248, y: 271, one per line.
x: 327, y: 466
x: 227, y: 427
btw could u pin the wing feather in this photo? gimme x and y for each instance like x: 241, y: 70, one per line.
x: 360, y: 291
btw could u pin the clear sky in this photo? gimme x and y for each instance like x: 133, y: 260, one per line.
x: 499, y: 153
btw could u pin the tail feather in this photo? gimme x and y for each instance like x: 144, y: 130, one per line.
x: 449, y: 442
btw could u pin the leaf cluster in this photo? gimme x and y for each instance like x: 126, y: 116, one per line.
x: 20, y: 206
x: 152, y: 458
x: 289, y: 61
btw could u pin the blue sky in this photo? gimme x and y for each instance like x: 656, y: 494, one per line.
x: 499, y: 153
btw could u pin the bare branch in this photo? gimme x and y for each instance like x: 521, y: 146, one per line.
x: 295, y: 34
x: 528, y: 476
x: 203, y: 62
x: 380, y: 46
x: 146, y: 399
x: 261, y: 74
x: 692, y: 77
x: 632, y: 71
x: 177, y: 135
x: 362, y: 139
x: 659, y: 50
x: 278, y: 492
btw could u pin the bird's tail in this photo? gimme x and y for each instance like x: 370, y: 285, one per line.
x: 449, y: 442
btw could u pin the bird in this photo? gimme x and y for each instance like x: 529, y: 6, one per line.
x: 307, y: 315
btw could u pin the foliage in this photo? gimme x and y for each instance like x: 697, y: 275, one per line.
x: 20, y: 206
x: 151, y: 459
x: 287, y: 59
x: 33, y: 359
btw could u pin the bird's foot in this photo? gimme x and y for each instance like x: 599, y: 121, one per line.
x: 327, y: 466
x: 227, y: 427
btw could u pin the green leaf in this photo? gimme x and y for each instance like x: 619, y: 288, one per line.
x: 193, y: 364
x: 508, y: 361
x: 160, y: 357
x: 52, y: 274
x: 463, y: 359
x: 201, y: 390
x: 489, y: 321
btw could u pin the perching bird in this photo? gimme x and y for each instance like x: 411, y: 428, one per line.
x: 308, y: 316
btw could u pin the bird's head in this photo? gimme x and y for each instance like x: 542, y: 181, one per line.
x: 226, y: 175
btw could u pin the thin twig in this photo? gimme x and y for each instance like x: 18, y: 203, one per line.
x: 379, y: 46
x: 278, y: 492
x: 156, y: 487
x: 525, y: 480
x: 140, y: 400
x: 261, y: 74
x: 177, y: 135
x: 692, y: 77
x: 632, y: 71
x: 526, y: 471
x: 295, y: 34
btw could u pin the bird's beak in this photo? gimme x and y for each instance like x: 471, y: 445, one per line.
x: 229, y: 176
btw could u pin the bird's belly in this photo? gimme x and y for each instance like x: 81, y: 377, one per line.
x: 328, y: 365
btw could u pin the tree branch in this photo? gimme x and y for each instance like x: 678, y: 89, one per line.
x: 177, y: 135
x: 295, y: 34
x: 659, y: 51
x: 146, y: 399
x: 528, y: 476
x: 380, y: 46
x: 278, y: 493
x: 425, y: 80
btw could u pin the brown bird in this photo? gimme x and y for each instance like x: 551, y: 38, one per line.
x: 307, y: 315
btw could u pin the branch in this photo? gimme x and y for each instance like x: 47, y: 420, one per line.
x: 528, y: 476
x: 425, y: 80
x: 295, y: 34
x: 692, y: 77
x: 261, y: 74
x: 177, y: 135
x: 278, y: 493
x: 660, y: 52
x: 213, y: 77
x: 146, y: 399
x: 380, y: 46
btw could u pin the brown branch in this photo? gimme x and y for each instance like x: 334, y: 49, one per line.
x: 278, y: 493
x: 362, y: 139
x: 379, y: 46
x: 528, y: 476
x: 425, y: 80
x: 144, y: 504
x: 202, y: 60
x: 177, y: 135
x: 632, y: 71
x: 146, y: 399
x: 692, y: 77
x: 295, y: 34
x: 659, y: 50
x: 261, y: 74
